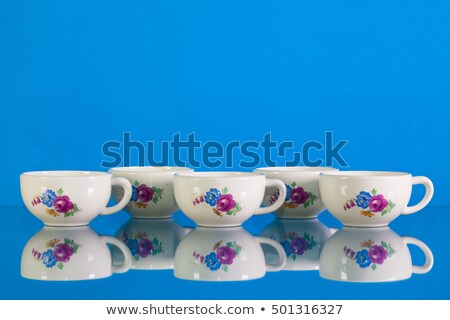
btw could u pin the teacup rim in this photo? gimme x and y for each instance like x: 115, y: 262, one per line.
x: 205, y: 175
x: 62, y: 174
x: 295, y: 169
x: 365, y: 174
x: 150, y: 169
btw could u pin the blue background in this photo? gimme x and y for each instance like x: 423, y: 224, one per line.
x: 74, y: 75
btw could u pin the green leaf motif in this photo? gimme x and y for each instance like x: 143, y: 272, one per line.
x: 384, y: 212
x: 225, y: 267
x: 225, y: 190
x: 374, y: 192
x: 293, y: 184
x: 294, y: 257
x: 60, y: 265
x: 374, y: 266
x: 60, y: 192
x: 75, y: 248
x: 136, y: 183
x: 234, y: 246
x: 75, y: 207
x: 69, y: 214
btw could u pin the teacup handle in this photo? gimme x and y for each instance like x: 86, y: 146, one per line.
x: 429, y: 259
x: 128, y: 259
x: 127, y: 190
x: 429, y: 190
x: 281, y: 196
x: 281, y: 253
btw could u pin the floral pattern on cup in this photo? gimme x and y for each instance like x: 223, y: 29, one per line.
x: 370, y: 203
x: 221, y: 201
x: 141, y: 246
x: 57, y: 203
x: 371, y: 254
x: 143, y: 194
x: 57, y: 253
x: 295, y: 196
x: 295, y: 245
x: 221, y: 256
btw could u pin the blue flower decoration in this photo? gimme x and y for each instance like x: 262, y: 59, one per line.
x: 48, y: 258
x: 134, y: 194
x: 212, y: 262
x: 287, y: 247
x: 212, y: 196
x: 48, y: 197
x: 362, y: 199
x: 132, y: 244
x: 363, y: 259
x: 288, y: 193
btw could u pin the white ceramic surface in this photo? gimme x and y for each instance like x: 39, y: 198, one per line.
x: 370, y: 255
x: 302, y: 190
x: 152, y: 242
x: 71, y: 253
x: 152, y: 195
x: 224, y: 254
x: 223, y: 199
x: 370, y: 198
x: 301, y: 239
x: 70, y: 198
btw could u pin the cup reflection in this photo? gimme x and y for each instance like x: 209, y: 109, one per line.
x: 224, y: 254
x: 71, y: 253
x: 302, y: 241
x: 152, y: 242
x: 371, y: 255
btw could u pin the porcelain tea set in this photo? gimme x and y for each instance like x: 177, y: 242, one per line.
x: 219, y: 202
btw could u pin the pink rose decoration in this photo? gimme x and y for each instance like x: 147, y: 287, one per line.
x: 225, y: 203
x: 299, y: 195
x: 62, y: 252
x: 377, y: 254
x: 62, y: 204
x: 144, y: 193
x: 377, y: 203
x: 226, y: 255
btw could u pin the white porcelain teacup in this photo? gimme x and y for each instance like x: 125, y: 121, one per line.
x: 71, y: 253
x: 152, y: 243
x: 302, y: 190
x: 224, y: 254
x: 152, y: 195
x: 370, y: 198
x: 370, y: 255
x: 301, y: 239
x: 70, y: 198
x: 223, y: 199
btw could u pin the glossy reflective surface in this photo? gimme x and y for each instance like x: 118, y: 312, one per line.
x: 17, y: 225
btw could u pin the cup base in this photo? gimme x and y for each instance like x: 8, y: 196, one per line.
x: 381, y: 225
x: 217, y: 279
x: 219, y: 226
x: 135, y: 217
x: 43, y: 278
x: 296, y: 217
x: 84, y: 224
x: 365, y: 280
